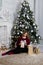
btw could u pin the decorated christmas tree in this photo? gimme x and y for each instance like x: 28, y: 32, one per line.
x: 25, y: 21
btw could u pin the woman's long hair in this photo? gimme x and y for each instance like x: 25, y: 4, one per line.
x: 27, y: 34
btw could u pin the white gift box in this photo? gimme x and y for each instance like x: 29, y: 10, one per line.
x: 23, y: 44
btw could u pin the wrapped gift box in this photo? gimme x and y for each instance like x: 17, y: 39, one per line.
x: 36, y: 50
x: 30, y: 49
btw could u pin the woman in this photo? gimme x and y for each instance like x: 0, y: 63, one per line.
x: 22, y: 43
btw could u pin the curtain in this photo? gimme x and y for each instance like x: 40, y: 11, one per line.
x: 39, y: 15
x: 39, y: 19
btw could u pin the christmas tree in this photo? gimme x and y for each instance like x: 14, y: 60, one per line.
x: 25, y: 21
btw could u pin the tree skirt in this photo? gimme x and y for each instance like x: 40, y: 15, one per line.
x: 22, y: 59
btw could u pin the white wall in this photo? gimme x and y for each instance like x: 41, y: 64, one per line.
x: 9, y: 12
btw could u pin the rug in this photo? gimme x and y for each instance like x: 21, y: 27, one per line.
x: 22, y: 59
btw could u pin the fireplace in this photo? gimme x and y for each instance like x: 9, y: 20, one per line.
x: 3, y: 35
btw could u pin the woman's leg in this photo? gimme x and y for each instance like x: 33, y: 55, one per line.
x: 8, y: 52
x: 24, y: 50
x: 16, y: 51
x: 13, y: 51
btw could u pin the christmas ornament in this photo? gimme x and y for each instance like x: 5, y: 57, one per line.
x: 31, y: 36
x: 18, y: 15
x: 20, y: 22
x: 22, y: 26
x: 25, y: 8
x: 28, y: 11
x: 27, y: 17
x: 26, y: 27
x: 24, y: 4
x: 27, y: 4
x: 36, y: 34
x: 21, y: 32
x: 35, y: 41
x: 31, y: 42
x: 35, y: 27
x: 39, y: 37
x: 23, y: 15
x: 14, y: 27
x: 33, y: 24
x: 31, y: 30
x: 18, y: 33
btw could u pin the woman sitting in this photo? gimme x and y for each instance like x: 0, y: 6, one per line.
x: 22, y: 43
